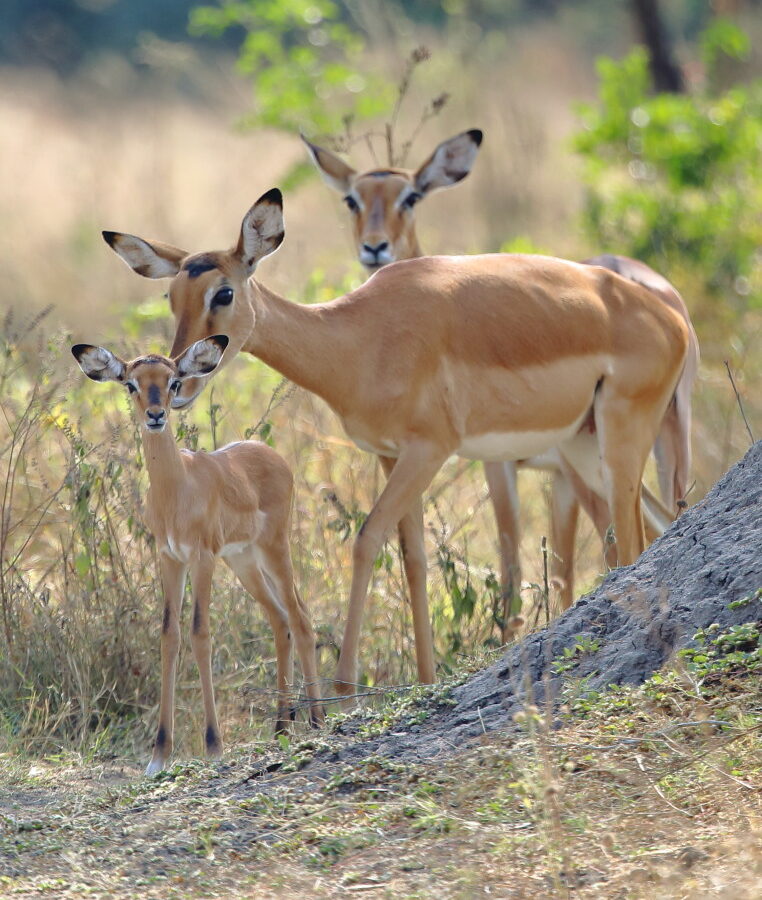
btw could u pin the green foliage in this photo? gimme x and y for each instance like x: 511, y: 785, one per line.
x: 675, y: 179
x: 723, y: 38
x: 570, y: 656
x: 523, y: 244
x: 719, y: 651
x: 468, y: 593
x: 305, y: 62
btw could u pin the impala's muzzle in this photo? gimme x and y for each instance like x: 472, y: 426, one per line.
x: 156, y: 419
x: 373, y: 256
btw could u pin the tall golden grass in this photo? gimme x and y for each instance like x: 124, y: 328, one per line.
x: 78, y: 583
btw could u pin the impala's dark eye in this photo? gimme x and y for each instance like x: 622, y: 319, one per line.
x: 175, y: 386
x: 411, y: 199
x: 223, y: 297
x: 131, y: 387
x: 351, y: 203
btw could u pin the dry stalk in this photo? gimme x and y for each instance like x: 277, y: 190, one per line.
x: 740, y: 403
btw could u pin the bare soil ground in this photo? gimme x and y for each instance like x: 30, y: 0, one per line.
x: 641, y: 794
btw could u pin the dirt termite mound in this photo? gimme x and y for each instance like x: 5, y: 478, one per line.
x: 633, y: 624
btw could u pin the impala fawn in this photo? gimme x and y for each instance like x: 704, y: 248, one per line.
x: 234, y: 503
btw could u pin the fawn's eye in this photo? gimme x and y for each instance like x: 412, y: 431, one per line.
x: 131, y: 388
x: 351, y: 203
x: 223, y: 297
x: 175, y: 386
x: 411, y: 199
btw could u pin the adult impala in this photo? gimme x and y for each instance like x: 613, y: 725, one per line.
x: 381, y: 203
x: 486, y: 357
x: 234, y: 503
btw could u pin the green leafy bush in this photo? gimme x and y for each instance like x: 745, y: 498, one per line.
x: 674, y: 179
x: 305, y: 62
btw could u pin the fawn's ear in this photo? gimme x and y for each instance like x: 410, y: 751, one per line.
x: 99, y: 363
x: 335, y: 172
x: 262, y: 229
x: 201, y: 358
x: 154, y: 260
x: 449, y: 163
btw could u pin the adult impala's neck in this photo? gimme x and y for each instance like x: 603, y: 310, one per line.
x: 307, y: 344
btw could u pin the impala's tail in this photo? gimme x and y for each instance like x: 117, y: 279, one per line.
x: 673, y: 443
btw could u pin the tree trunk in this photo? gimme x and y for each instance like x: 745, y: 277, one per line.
x: 665, y: 72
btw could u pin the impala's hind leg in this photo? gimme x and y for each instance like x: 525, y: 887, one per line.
x: 501, y: 480
x: 564, y: 512
x: 278, y: 569
x: 673, y: 453
x: 626, y: 429
x: 250, y: 575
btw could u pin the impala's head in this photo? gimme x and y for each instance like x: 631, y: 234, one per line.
x: 381, y: 201
x: 153, y: 381
x: 209, y: 292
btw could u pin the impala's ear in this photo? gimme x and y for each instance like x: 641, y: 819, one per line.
x: 449, y: 163
x: 201, y: 358
x: 336, y: 173
x: 154, y: 260
x: 261, y: 229
x: 99, y: 363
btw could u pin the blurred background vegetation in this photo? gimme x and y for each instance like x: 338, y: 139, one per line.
x: 631, y: 127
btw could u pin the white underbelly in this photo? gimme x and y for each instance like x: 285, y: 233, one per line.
x: 495, y: 445
x: 549, y: 461
x: 235, y: 547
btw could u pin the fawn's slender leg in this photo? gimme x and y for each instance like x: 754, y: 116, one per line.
x: 173, y: 576
x: 201, y: 581
x: 251, y: 577
x: 278, y: 568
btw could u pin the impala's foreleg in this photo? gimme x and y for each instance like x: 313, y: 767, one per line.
x: 173, y: 576
x: 501, y: 480
x: 411, y: 475
x: 201, y: 581
x: 252, y: 578
x: 410, y: 530
x: 279, y: 569
x: 308, y: 661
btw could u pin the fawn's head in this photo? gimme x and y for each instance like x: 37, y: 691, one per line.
x: 381, y: 201
x: 153, y: 381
